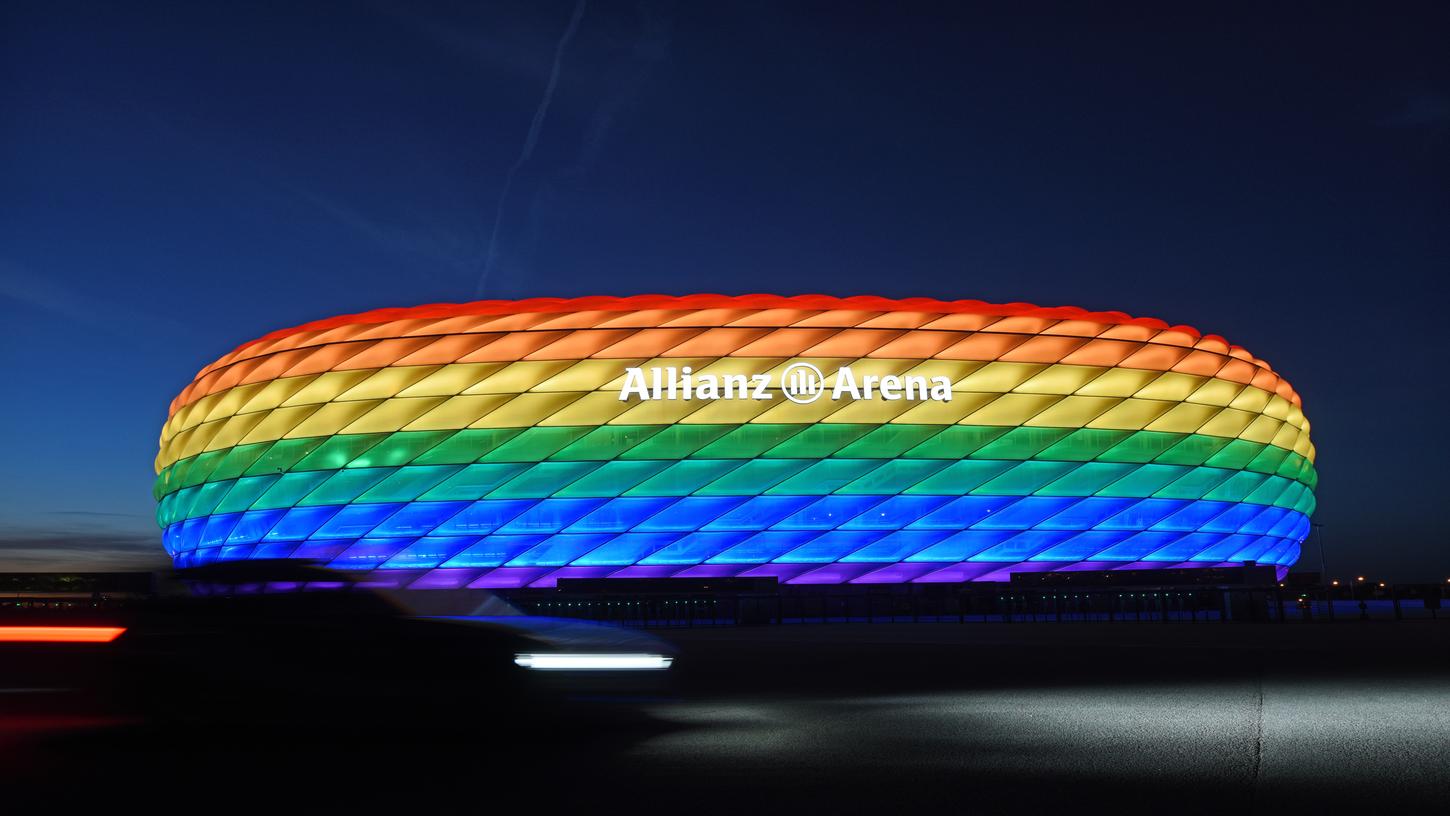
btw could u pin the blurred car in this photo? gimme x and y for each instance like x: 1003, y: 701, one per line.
x: 254, y: 640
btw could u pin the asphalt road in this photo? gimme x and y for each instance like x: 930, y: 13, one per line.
x: 1139, y: 718
x: 893, y: 718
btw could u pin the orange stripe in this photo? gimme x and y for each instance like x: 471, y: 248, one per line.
x: 1044, y: 348
x: 787, y: 342
x: 300, y: 349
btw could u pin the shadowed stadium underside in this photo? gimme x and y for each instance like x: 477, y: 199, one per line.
x: 487, y: 444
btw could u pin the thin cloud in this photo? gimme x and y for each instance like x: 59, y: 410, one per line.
x: 1424, y: 109
x: 438, y: 245
x: 650, y: 48
x: 535, y: 127
x: 43, y: 294
x: 31, y: 289
x: 78, y: 550
x: 76, y: 539
x: 622, y: 89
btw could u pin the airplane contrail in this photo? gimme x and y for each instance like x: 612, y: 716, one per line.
x: 532, y: 139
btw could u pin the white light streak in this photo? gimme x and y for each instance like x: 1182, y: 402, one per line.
x: 594, y: 662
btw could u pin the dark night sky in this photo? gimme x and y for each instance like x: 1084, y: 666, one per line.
x: 182, y: 178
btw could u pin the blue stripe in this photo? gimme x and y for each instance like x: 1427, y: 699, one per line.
x: 746, y: 530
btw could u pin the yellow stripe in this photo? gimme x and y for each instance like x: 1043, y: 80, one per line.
x: 607, y: 375
x: 592, y: 408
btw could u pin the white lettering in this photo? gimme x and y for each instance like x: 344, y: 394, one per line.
x: 941, y: 389
x: 633, y: 384
x: 845, y: 384
x: 708, y: 388
x: 915, y: 388
x: 762, y: 382
x: 735, y: 386
x: 891, y: 387
x: 801, y: 382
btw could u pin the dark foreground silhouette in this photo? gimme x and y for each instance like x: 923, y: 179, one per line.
x: 880, y: 718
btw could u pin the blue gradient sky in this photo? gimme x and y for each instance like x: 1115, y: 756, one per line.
x: 180, y: 178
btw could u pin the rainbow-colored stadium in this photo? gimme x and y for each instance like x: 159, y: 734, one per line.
x: 495, y: 444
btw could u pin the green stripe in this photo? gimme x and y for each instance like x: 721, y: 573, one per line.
x: 732, y: 477
x: 751, y: 441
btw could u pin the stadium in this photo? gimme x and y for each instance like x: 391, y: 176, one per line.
x: 810, y: 439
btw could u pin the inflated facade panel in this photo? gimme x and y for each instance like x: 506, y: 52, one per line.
x: 487, y: 444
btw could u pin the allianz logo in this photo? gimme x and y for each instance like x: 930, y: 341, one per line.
x: 798, y: 382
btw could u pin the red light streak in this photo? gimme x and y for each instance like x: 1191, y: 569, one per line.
x: 60, y: 634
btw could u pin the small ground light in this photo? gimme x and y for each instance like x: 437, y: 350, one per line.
x: 1336, y: 583
x: 1360, y: 578
x: 1382, y: 583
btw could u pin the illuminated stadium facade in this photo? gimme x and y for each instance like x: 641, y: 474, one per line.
x: 813, y: 439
